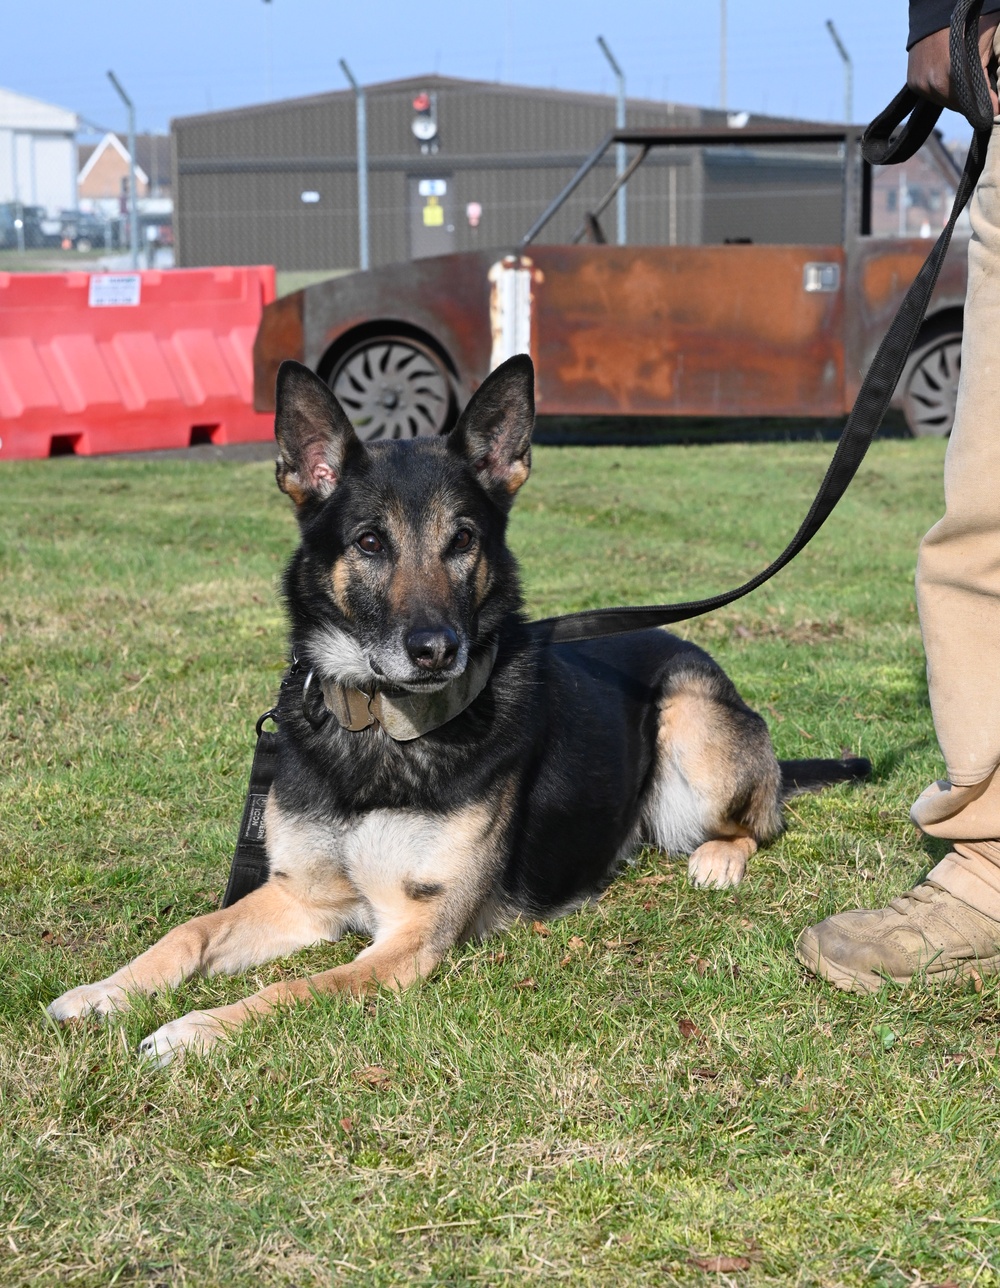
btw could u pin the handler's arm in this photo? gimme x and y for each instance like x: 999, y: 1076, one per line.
x: 928, y: 70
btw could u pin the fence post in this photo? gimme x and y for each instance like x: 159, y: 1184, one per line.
x: 848, y: 71
x: 133, y: 222
x: 620, y: 147
x: 359, y: 95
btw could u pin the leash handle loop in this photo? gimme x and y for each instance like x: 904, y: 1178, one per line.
x: 884, y: 143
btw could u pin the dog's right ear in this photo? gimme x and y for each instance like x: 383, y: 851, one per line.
x: 316, y: 439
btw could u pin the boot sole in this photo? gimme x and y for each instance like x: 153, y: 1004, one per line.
x: 807, y: 951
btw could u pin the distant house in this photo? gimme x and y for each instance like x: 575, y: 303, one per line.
x: 913, y: 199
x: 104, y: 167
x: 37, y: 152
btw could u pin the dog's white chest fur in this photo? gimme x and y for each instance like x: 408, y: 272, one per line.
x: 388, y: 844
x: 378, y: 853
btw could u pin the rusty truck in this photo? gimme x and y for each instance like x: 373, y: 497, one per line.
x: 620, y: 332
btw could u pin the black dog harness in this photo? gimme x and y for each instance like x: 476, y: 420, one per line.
x: 894, y: 136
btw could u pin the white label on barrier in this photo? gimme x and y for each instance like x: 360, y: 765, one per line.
x: 114, y: 290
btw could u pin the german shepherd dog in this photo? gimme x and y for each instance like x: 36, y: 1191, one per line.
x: 441, y: 770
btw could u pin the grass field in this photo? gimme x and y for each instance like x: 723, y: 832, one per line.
x: 51, y: 259
x: 619, y: 1097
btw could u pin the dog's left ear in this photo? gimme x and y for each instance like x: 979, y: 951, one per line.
x: 494, y: 432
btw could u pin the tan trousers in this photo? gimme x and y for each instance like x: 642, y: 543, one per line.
x: 958, y: 587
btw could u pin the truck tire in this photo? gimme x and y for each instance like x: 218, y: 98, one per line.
x: 393, y: 387
x: 929, y: 384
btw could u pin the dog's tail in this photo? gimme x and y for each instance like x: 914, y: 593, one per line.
x: 798, y: 776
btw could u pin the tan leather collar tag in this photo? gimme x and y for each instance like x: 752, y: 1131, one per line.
x: 405, y: 716
x: 350, y: 706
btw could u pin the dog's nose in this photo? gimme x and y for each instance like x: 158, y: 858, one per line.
x: 432, y: 650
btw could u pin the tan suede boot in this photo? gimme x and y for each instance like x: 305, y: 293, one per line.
x: 925, y: 931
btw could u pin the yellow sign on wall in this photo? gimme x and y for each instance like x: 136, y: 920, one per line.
x: 433, y: 213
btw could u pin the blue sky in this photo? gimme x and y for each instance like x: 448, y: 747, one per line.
x: 195, y: 55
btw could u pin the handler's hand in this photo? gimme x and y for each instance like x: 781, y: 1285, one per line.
x: 928, y: 71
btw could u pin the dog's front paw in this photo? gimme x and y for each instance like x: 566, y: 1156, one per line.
x: 716, y: 865
x: 98, y: 999
x: 196, y: 1031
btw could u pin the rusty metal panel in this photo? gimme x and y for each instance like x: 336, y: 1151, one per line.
x: 279, y: 336
x: 879, y: 273
x: 626, y: 331
x: 445, y: 297
x: 727, y: 330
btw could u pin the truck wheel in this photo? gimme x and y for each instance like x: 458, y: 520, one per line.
x: 930, y: 385
x: 393, y: 387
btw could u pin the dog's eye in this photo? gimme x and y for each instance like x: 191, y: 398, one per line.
x: 462, y: 539
x: 370, y: 543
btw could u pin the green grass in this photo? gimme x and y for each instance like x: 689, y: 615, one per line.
x: 51, y: 259
x: 650, y: 1082
x: 289, y: 280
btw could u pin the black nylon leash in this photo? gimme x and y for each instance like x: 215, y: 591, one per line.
x: 894, y: 136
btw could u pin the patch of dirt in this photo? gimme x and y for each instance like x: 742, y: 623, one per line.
x: 805, y: 630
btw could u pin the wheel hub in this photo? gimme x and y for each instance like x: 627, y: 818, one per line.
x: 392, y: 387
x: 932, y: 388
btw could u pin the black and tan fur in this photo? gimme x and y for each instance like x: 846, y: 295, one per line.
x: 523, y: 805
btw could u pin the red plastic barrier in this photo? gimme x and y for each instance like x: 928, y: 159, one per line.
x: 124, y: 362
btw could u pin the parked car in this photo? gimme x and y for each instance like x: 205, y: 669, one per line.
x: 31, y: 233
x: 732, y: 330
x: 82, y: 231
x: 8, y: 227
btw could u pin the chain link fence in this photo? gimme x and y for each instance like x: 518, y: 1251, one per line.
x: 455, y: 166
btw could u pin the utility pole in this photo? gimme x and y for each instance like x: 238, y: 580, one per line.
x: 722, y: 55
x: 270, y: 47
x: 359, y: 98
x: 848, y: 72
x: 621, y: 208
x: 903, y: 202
x: 18, y: 204
x: 133, y: 222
